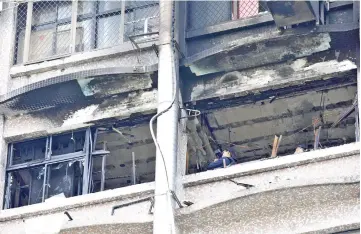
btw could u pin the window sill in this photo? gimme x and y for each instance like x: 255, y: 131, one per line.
x: 78, y: 201
x: 75, y: 59
x: 261, y: 18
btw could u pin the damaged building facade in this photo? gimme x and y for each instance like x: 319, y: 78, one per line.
x: 81, y: 81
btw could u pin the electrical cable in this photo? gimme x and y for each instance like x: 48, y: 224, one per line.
x: 174, y: 88
x: 168, y: 108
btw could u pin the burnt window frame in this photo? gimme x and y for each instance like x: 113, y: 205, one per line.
x: 83, y: 157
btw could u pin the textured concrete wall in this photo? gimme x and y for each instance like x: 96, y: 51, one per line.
x: 7, y: 32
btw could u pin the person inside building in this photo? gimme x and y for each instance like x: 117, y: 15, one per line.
x: 226, y: 159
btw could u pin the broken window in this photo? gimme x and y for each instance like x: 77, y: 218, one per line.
x: 41, y: 168
x: 25, y: 187
x: 67, y: 143
x: 28, y: 152
x: 64, y: 178
x: 130, y: 158
x: 78, y: 162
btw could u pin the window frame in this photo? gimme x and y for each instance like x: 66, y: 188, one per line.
x: 94, y: 16
x: 83, y: 157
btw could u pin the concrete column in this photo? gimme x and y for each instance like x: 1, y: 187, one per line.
x: 167, y: 124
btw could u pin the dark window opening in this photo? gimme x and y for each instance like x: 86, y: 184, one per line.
x: 64, y: 178
x: 29, y: 151
x: 67, y: 143
x: 25, y: 187
x: 131, y: 158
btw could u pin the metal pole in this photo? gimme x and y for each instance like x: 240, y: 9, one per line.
x: 167, y: 123
x: 102, y: 181
x: 87, y: 159
x: 133, y: 160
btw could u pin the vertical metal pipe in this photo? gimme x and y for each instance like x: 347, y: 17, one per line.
x: 45, y: 182
x: 87, y: 159
x: 102, y: 182
x: 167, y: 123
x: 133, y: 160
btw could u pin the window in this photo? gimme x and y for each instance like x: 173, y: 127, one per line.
x: 41, y: 168
x: 98, y: 25
x: 207, y: 13
x: 78, y: 162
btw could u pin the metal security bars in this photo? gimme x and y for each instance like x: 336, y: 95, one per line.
x: 207, y: 13
x: 51, y: 29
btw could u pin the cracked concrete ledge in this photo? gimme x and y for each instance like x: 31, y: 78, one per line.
x: 135, y: 192
x: 314, y: 42
x: 260, y: 80
x: 51, y: 80
x: 272, y: 164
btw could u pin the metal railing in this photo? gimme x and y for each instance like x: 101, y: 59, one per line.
x: 52, y: 29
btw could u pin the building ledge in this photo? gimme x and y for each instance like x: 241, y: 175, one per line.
x: 260, y: 166
x: 77, y: 202
x: 76, y: 59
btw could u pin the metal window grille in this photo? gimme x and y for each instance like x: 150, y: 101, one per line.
x: 207, y: 13
x: 52, y: 29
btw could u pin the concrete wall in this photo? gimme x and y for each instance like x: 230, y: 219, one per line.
x: 287, y: 191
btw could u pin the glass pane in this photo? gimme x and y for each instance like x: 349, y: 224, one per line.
x: 108, y: 31
x: 67, y: 143
x: 206, y: 13
x: 44, y: 12
x: 86, y: 7
x: 26, y: 186
x: 41, y: 44
x: 20, y: 25
x: 63, y: 39
x: 64, y: 10
x: 109, y: 5
x: 65, y: 178
x: 29, y: 151
x: 84, y: 36
x: 142, y: 20
x: 20, y: 47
